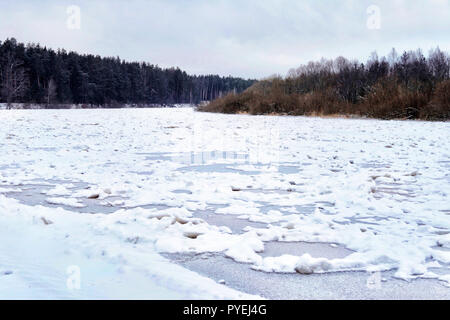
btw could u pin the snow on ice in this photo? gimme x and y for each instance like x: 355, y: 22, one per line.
x: 378, y: 188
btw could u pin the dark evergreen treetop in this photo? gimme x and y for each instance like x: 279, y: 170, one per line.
x: 35, y: 74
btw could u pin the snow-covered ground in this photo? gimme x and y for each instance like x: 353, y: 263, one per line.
x: 20, y: 106
x: 91, y: 200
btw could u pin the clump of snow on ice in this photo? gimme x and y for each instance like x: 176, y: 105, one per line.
x: 59, y: 190
x: 70, y: 202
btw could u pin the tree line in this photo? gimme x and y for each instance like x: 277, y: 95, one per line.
x: 409, y: 86
x: 38, y: 75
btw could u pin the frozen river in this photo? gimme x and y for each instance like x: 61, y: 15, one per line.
x: 167, y: 203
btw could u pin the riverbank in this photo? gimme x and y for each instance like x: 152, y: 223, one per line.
x: 396, y: 103
x: 30, y: 106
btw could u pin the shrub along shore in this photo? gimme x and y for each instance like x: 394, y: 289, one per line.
x: 406, y: 87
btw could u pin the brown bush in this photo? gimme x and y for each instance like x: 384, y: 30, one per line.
x: 260, y: 100
x: 323, y: 102
x: 389, y: 100
x: 231, y: 103
x: 439, y: 106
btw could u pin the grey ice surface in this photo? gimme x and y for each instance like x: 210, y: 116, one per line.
x: 34, y: 194
x: 330, y: 286
x: 289, y: 286
x: 342, y: 285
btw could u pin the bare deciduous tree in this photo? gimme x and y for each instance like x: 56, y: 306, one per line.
x: 13, y: 79
x: 438, y: 62
x: 51, y: 91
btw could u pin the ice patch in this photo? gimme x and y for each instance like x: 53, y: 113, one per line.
x: 70, y: 202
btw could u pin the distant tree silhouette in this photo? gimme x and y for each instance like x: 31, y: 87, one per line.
x: 410, y: 86
x: 35, y: 74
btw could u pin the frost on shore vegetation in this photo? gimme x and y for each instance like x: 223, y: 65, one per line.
x: 406, y: 87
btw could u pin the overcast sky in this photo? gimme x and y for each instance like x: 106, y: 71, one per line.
x: 247, y: 38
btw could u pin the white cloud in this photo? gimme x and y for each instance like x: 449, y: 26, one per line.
x: 239, y: 37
